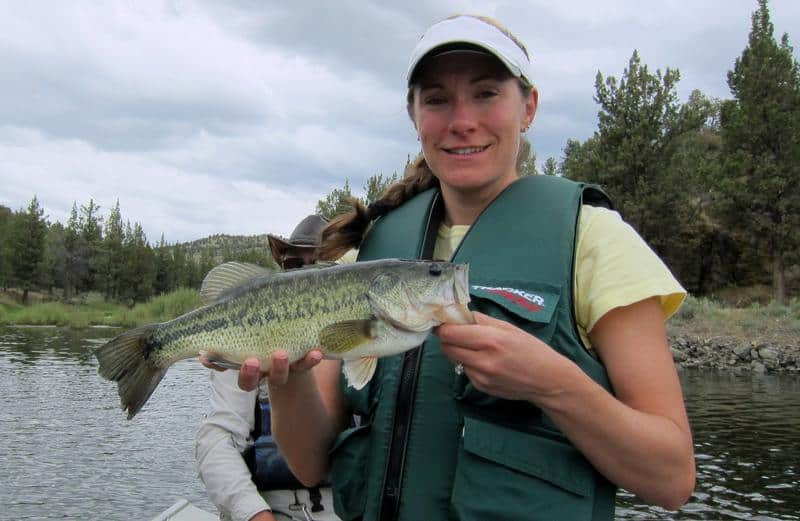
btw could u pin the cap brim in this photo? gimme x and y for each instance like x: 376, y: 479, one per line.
x: 471, y: 33
x: 287, y: 243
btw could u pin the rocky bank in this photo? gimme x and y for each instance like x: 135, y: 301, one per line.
x: 733, y: 354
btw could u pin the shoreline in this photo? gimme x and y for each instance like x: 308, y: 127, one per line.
x: 724, y: 353
x: 734, y: 355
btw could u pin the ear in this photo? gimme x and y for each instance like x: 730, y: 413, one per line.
x: 531, y: 104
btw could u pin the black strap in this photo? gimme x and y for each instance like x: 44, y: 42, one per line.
x: 404, y: 408
x: 316, y: 499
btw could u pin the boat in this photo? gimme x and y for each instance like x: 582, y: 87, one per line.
x: 183, y: 510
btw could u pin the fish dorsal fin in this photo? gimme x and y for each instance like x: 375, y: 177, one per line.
x: 359, y: 372
x: 228, y: 276
x: 341, y: 337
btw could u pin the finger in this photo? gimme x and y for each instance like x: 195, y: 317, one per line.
x: 460, y: 355
x: 486, y: 320
x: 470, y: 336
x: 311, y: 359
x: 249, y: 374
x: 279, y: 370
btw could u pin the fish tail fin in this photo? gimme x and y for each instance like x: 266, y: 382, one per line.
x: 124, y: 359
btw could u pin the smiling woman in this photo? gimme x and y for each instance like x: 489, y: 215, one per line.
x: 562, y: 391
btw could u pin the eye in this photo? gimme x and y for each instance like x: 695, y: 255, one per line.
x: 435, y: 100
x: 486, y: 94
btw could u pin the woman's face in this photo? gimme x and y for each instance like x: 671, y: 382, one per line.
x: 469, y: 113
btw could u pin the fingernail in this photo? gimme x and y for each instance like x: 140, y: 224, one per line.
x: 250, y: 366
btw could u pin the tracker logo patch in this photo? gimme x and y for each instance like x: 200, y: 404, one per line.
x: 529, y: 301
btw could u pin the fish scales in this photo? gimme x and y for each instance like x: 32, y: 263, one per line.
x: 355, y: 312
x: 283, y: 321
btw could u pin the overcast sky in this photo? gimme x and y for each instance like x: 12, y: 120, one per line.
x: 211, y: 116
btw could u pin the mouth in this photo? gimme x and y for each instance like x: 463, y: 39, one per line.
x: 465, y: 151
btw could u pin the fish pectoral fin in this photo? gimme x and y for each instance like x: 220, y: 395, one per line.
x: 221, y: 361
x: 341, y: 337
x: 359, y: 372
x: 227, y: 276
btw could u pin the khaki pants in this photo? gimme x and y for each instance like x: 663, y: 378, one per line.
x: 296, y: 505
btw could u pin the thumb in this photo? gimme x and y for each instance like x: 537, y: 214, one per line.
x: 485, y: 320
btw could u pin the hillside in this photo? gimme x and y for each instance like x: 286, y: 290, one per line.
x: 222, y: 247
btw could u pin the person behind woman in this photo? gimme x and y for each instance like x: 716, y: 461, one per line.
x: 244, y: 473
x: 564, y: 389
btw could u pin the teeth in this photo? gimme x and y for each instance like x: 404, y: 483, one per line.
x: 464, y: 151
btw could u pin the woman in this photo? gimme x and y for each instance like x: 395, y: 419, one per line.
x: 564, y: 389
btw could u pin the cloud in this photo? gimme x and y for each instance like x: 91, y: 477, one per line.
x: 207, y: 116
x: 163, y: 199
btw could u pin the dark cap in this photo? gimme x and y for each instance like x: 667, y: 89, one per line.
x: 304, y: 235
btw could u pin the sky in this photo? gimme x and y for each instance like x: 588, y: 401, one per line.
x: 236, y: 116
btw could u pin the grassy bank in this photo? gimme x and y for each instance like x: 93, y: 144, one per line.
x: 158, y: 309
x: 704, y: 318
x: 698, y: 317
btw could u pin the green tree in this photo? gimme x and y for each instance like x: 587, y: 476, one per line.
x: 702, y: 251
x: 761, y: 133
x: 139, y: 274
x: 336, y: 202
x: 75, y: 269
x: 28, y: 244
x: 111, y: 257
x: 640, y: 125
x: 54, y: 259
x: 164, y: 271
x: 526, y: 159
x: 91, y: 232
x: 550, y: 166
x: 376, y: 185
x: 6, y: 218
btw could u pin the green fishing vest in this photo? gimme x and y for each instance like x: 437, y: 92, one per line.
x: 432, y: 447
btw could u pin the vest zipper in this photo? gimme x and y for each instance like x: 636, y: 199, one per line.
x: 407, y: 388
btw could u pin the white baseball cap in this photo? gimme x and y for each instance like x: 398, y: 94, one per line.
x: 474, y: 33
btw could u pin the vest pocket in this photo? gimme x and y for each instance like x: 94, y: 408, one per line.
x: 505, y: 474
x: 349, y: 457
x: 528, y: 305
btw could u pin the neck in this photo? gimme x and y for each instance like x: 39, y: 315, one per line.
x: 464, y: 207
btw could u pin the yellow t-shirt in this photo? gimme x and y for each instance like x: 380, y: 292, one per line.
x: 614, y: 267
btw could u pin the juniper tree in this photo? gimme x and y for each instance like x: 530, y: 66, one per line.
x: 761, y: 133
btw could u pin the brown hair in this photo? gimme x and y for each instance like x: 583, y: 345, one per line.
x: 346, y: 231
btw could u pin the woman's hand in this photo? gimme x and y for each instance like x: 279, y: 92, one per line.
x: 501, y: 359
x: 250, y: 372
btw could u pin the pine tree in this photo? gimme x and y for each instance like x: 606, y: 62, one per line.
x: 761, y: 132
x: 6, y: 217
x: 550, y: 166
x: 29, y: 235
x: 91, y: 232
x: 526, y: 159
x: 376, y: 185
x: 336, y: 202
x: 75, y: 264
x: 111, y: 256
x: 640, y: 126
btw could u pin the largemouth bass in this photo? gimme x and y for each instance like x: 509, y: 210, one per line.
x: 354, y: 312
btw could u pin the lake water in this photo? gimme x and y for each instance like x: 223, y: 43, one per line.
x: 67, y: 452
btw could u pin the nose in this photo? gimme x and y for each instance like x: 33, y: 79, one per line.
x: 463, y: 117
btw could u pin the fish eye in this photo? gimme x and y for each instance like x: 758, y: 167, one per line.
x: 435, y: 270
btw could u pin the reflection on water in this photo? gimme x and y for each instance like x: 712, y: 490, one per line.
x: 67, y: 451
x: 747, y: 445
